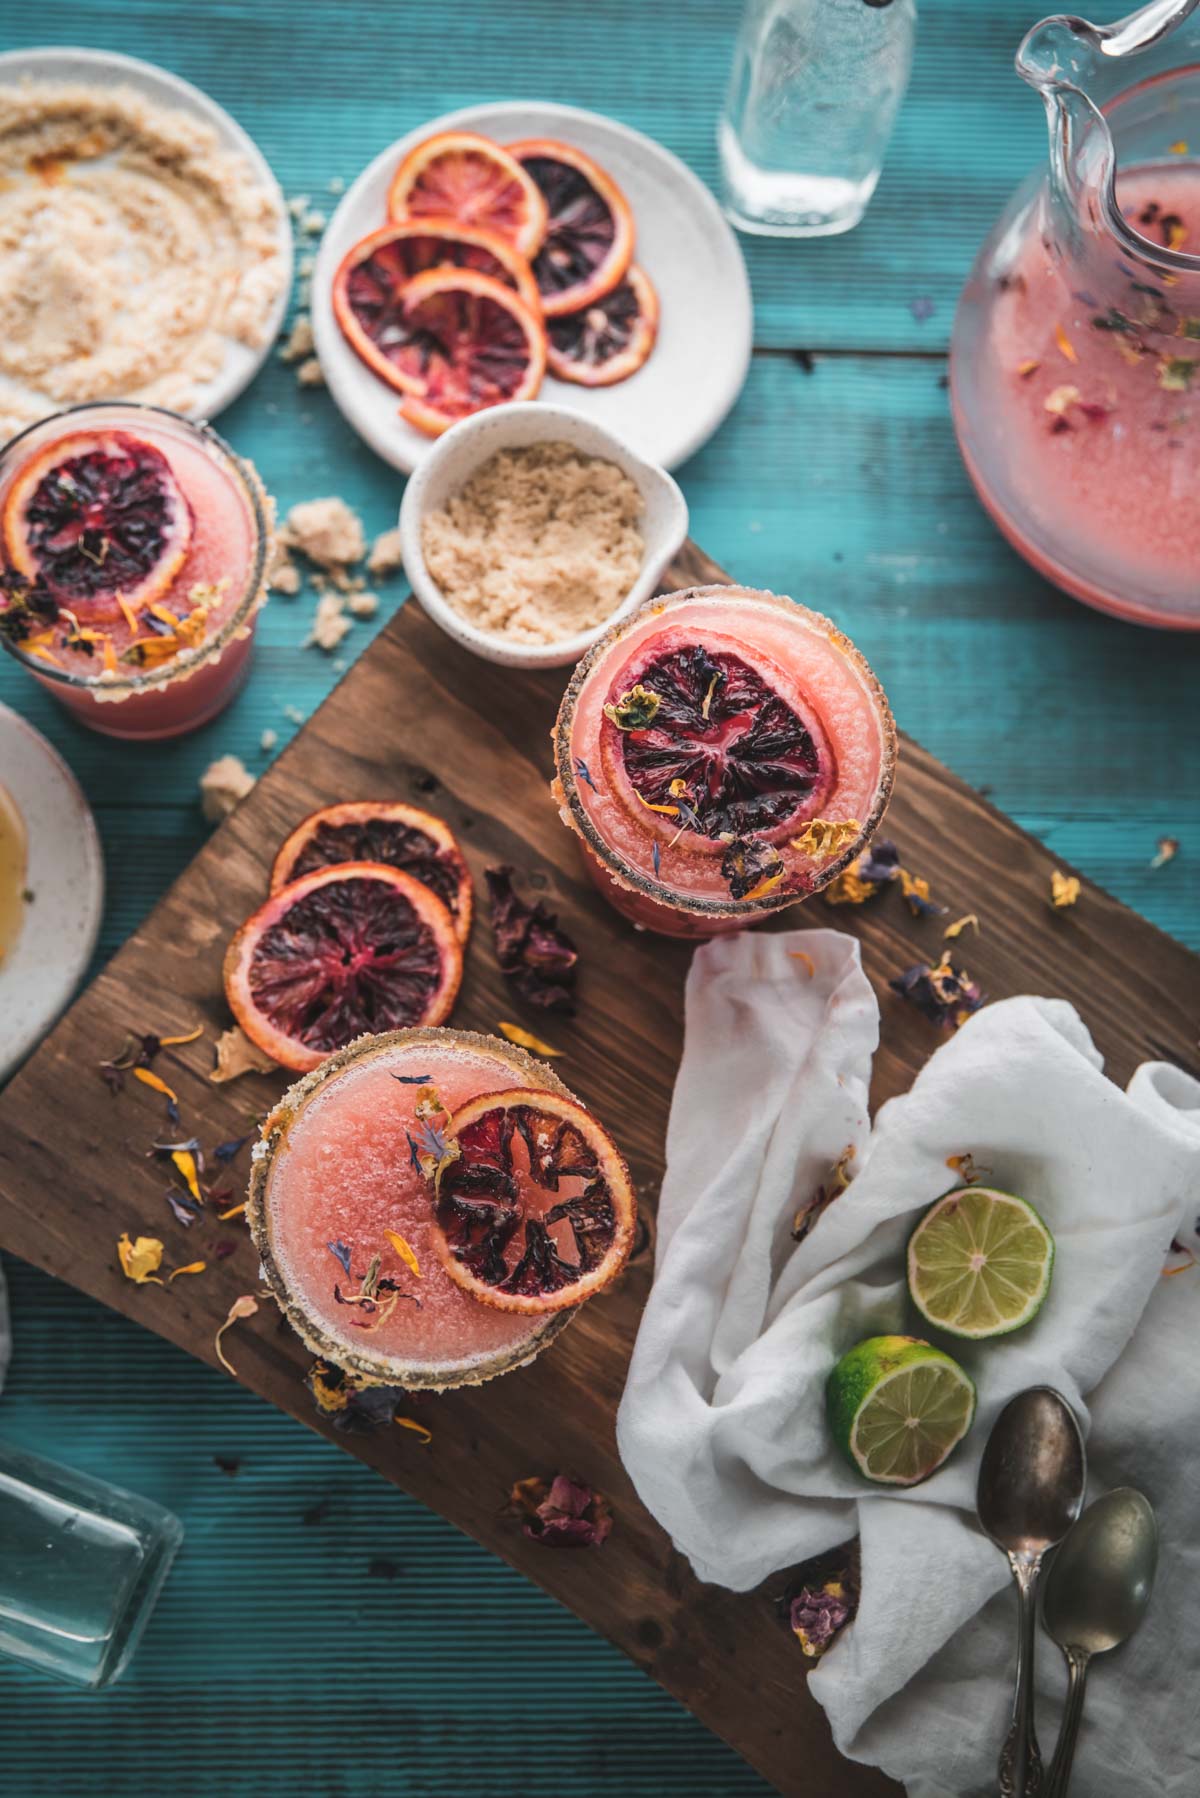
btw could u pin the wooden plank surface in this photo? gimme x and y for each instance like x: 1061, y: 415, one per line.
x: 416, y: 717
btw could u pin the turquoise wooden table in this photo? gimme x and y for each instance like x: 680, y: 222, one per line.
x: 321, y: 1633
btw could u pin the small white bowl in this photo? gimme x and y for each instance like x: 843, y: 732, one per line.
x: 465, y: 447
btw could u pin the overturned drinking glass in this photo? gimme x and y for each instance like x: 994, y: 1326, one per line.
x: 81, y: 1566
x: 813, y: 95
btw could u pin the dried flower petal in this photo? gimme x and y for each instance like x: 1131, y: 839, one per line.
x: 228, y: 1151
x: 835, y: 1183
x: 822, y: 838
x: 818, y: 1614
x: 535, y: 955
x: 174, y: 1042
x: 419, y: 1429
x: 184, y: 1210
x: 867, y: 875
x: 1061, y: 399
x: 234, y: 1211
x: 246, y: 1306
x: 966, y: 1168
x: 634, y: 710
x: 1065, y: 345
x: 140, y: 1260
x: 1176, y: 373
x: 340, y: 1253
x: 961, y: 924
x: 752, y: 867
x: 524, y: 1039
x: 185, y: 1163
x: 237, y: 1055
x: 943, y: 994
x: 156, y: 1085
x: 405, y: 1251
x: 193, y: 1267
x: 916, y: 892
x: 1064, y: 889
x: 566, y: 1514
x: 802, y: 955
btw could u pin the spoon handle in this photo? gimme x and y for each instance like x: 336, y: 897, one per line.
x: 1020, y: 1762
x: 1064, y: 1754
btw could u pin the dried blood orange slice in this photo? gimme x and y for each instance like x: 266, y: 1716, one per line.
x: 382, y: 830
x: 348, y: 949
x: 533, y: 1208
x: 369, y: 284
x: 711, y: 744
x: 98, y: 513
x: 472, y: 343
x: 461, y: 175
x: 608, y: 340
x: 589, y: 231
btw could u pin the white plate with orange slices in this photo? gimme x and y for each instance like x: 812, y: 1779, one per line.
x: 526, y: 250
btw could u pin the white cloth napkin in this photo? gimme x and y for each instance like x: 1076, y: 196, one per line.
x: 722, y: 1426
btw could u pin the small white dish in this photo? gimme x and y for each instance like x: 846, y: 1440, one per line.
x: 65, y: 874
x: 107, y: 68
x: 453, y: 459
x: 697, y: 368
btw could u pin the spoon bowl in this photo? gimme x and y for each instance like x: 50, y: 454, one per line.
x: 1031, y: 1483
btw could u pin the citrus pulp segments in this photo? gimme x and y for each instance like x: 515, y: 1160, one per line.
x: 462, y: 175
x: 558, y: 1109
x: 312, y: 962
x: 355, y: 818
x: 408, y: 247
x: 589, y: 235
x: 980, y: 1263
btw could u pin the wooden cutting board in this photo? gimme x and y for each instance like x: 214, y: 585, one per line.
x: 417, y: 718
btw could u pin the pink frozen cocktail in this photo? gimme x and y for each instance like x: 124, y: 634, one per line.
x: 135, y: 554
x: 339, y: 1197
x: 721, y: 754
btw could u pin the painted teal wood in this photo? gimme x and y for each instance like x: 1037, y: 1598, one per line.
x: 278, y: 1659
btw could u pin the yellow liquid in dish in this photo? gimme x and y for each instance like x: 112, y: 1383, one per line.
x: 12, y: 872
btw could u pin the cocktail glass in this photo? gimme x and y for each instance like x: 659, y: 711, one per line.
x: 335, y: 1172
x: 227, y: 556
x: 762, y: 770
x: 1075, y: 362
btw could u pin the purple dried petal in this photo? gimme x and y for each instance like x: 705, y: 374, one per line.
x: 186, y: 1210
x: 226, y: 1151
x: 817, y: 1615
x: 942, y: 994
x: 341, y: 1253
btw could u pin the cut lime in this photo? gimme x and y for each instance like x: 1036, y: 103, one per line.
x: 897, y: 1407
x: 979, y: 1263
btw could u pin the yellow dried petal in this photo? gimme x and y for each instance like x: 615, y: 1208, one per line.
x: 1065, y: 345
x: 823, y: 837
x: 405, y: 1251
x: 185, y: 1161
x: 1064, y: 889
x: 149, y: 1078
x: 960, y: 924
x: 806, y: 958
x: 418, y: 1429
x: 172, y: 1042
x: 234, y: 1211
x: 1061, y: 400
x: 524, y: 1039
x: 140, y: 1260
x: 193, y: 1267
x: 246, y: 1306
x: 766, y: 886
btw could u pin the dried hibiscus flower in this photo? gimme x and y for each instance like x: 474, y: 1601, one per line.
x: 944, y: 994
x: 565, y: 1514
x: 823, y: 1599
x: 535, y: 955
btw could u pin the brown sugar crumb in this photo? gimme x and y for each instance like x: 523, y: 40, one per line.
x: 326, y: 531
x: 387, y: 556
x: 541, y: 542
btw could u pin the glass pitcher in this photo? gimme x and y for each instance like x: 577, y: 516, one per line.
x: 1075, y: 359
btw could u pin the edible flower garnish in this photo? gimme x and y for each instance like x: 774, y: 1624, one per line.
x: 1167, y: 850
x: 184, y: 1210
x: 565, y: 1514
x: 341, y: 1253
x: 968, y: 920
x: 525, y: 1039
x: 413, y: 1079
x: 966, y: 1169
x: 410, y: 1423
x: 1064, y: 889
x: 234, y: 1211
x: 1066, y: 347
x: 825, y: 837
x: 823, y: 1599
x: 943, y: 994
x: 535, y: 955
x: 140, y: 1260
x: 405, y: 1251
x: 185, y: 1163
x: 193, y: 1267
x: 802, y: 956
x: 245, y: 1306
x: 634, y: 710
x: 150, y: 1079
x: 584, y: 773
x: 916, y: 892
x: 835, y: 1183
x: 752, y: 868
x: 228, y: 1151
x: 867, y: 875
x: 25, y: 605
x: 353, y: 1404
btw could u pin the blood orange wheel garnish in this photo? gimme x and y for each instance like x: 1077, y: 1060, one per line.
x: 589, y: 230
x: 349, y: 949
x: 461, y: 175
x: 369, y: 284
x: 701, y: 741
x: 95, y: 514
x: 472, y: 342
x: 382, y: 830
x: 533, y: 1205
x: 608, y: 340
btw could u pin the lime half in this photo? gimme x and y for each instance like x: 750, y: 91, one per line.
x: 897, y: 1407
x: 979, y: 1263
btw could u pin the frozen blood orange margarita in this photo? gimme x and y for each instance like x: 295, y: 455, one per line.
x: 430, y: 1205
x: 721, y: 753
x: 134, y: 553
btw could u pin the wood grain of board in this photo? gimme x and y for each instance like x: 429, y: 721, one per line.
x: 417, y: 718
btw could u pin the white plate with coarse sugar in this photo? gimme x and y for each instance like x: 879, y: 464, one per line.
x: 63, y: 884
x: 250, y: 321
x: 672, y: 404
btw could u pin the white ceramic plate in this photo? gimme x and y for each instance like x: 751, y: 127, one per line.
x: 105, y: 68
x: 698, y: 366
x: 66, y: 877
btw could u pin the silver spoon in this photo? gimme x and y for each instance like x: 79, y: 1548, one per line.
x: 1096, y: 1594
x: 1031, y: 1484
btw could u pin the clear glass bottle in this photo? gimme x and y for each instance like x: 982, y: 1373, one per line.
x: 81, y: 1565
x: 813, y: 95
